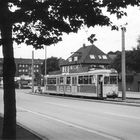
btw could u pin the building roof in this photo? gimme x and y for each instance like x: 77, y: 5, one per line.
x: 25, y: 61
x: 88, y: 55
x: 28, y: 61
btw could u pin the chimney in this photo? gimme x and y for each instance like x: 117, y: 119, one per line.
x: 84, y: 45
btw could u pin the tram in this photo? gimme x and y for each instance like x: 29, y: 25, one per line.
x: 100, y: 83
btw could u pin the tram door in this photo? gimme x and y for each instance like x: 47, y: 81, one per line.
x: 100, y: 86
x: 74, y: 85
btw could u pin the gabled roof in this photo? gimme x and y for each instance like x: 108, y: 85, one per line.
x: 88, y: 55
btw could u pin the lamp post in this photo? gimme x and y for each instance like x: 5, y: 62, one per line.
x: 123, y: 65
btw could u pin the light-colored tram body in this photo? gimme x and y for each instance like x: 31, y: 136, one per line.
x: 94, y: 83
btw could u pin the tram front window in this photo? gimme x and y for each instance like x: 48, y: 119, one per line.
x: 113, y: 79
x: 106, y: 80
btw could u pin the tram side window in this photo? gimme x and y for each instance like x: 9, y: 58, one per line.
x: 106, y: 80
x: 86, y: 79
x: 80, y: 80
x: 68, y: 80
x: 74, y: 80
x: 58, y: 80
x: 54, y: 80
x: 92, y: 79
x: 61, y: 80
x: 51, y: 81
x: 113, y: 79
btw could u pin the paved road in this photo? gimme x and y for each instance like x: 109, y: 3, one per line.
x: 67, y: 119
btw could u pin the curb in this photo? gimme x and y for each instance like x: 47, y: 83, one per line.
x: 108, y: 101
x: 31, y: 131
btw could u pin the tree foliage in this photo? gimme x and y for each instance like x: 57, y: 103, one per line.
x: 52, y: 64
x: 42, y: 22
x: 92, y: 38
x: 132, y: 61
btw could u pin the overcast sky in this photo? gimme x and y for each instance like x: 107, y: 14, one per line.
x: 107, y: 40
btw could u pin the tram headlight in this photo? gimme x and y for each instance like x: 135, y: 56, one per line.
x: 112, y: 94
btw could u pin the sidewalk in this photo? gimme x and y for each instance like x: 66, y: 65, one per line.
x: 22, y: 134
x: 131, y: 94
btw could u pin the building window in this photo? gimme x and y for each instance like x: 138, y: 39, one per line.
x: 104, y: 57
x: 100, y: 56
x: 67, y: 68
x: 92, y: 56
x: 75, y: 58
x: 70, y: 59
x: 62, y: 69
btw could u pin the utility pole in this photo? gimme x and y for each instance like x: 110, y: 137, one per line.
x: 45, y: 60
x: 123, y: 65
x: 32, y: 71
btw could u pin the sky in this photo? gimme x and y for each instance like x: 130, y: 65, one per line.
x: 107, y: 40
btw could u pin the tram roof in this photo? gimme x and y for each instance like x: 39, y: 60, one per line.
x: 92, y: 71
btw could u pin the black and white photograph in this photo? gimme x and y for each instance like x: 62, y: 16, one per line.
x: 69, y: 69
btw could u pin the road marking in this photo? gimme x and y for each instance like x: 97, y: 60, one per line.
x: 72, y: 124
x: 62, y: 105
x: 122, y: 115
x: 108, y: 113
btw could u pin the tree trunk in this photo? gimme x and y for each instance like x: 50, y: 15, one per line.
x: 9, y: 69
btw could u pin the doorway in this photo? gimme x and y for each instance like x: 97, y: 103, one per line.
x: 100, y: 86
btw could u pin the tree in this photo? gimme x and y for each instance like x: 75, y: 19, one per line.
x: 132, y: 61
x: 42, y: 22
x: 92, y: 38
x: 52, y: 65
x: 116, y: 63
